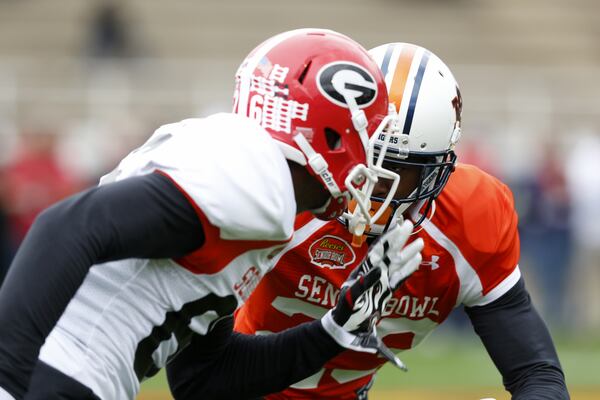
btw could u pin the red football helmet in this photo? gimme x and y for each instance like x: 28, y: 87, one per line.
x: 321, y: 96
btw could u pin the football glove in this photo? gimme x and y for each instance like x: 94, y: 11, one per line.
x: 352, y: 322
x: 391, y: 252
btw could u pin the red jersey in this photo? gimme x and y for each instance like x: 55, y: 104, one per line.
x: 470, y: 257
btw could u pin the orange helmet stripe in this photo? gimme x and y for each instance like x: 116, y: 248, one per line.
x: 401, y: 75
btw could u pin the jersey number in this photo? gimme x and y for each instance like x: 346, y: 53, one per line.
x: 177, y: 323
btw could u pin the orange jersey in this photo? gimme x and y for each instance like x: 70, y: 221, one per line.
x: 470, y: 257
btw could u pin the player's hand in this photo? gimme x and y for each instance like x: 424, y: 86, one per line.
x: 387, y: 265
x: 351, y: 321
x: 391, y: 252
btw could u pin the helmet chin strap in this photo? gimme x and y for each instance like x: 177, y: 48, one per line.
x: 318, y: 164
x: 415, y: 216
x: 320, y: 167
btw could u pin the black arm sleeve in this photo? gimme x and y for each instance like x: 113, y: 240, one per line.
x: 520, y: 346
x: 225, y: 365
x: 145, y: 217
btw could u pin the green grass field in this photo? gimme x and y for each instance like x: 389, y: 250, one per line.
x: 446, y: 367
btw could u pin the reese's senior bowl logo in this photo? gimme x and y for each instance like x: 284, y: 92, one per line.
x: 331, y: 252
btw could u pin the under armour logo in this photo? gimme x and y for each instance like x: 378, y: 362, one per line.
x: 433, y: 263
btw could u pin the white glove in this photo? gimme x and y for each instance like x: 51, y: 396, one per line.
x: 368, y: 288
x: 390, y: 251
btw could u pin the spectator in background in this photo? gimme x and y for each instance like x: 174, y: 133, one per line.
x: 546, y: 233
x: 33, y: 180
x: 6, y: 250
x: 477, y: 152
x: 109, y: 33
x: 583, y: 180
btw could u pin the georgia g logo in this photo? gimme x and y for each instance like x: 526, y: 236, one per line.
x: 343, y: 78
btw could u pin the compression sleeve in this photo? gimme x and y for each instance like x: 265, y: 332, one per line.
x: 520, y: 346
x: 145, y: 217
x: 225, y: 365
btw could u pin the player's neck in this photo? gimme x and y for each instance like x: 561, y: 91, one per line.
x: 308, y: 191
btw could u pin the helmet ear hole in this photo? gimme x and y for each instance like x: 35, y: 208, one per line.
x: 304, y: 72
x: 334, y: 139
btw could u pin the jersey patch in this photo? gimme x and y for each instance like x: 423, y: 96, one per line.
x: 331, y: 252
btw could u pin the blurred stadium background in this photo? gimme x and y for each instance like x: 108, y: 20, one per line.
x: 83, y: 82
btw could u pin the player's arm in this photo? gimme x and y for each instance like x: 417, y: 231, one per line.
x: 248, y: 366
x: 227, y: 365
x: 520, y: 346
x: 145, y: 217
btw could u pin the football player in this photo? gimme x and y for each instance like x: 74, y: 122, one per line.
x: 468, y: 223
x: 110, y: 284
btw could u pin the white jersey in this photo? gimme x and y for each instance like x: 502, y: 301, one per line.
x: 130, y: 316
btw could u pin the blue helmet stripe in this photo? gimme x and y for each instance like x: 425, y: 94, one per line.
x: 415, y: 94
x: 386, y: 59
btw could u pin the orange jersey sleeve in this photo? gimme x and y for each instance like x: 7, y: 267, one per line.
x: 476, y: 211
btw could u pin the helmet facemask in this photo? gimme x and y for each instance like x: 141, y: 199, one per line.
x: 362, y: 214
x: 432, y: 172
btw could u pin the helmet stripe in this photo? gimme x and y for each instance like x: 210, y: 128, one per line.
x: 386, y: 59
x: 415, y: 94
x: 401, y: 75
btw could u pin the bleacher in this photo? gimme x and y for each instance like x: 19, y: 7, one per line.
x: 516, y: 61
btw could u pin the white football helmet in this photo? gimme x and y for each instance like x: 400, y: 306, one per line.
x: 426, y: 105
